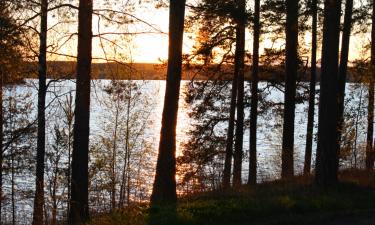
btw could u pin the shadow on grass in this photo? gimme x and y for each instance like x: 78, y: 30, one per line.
x: 296, y: 202
x: 163, y: 215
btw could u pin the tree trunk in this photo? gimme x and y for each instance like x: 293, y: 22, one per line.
x: 311, y: 110
x: 11, y: 147
x: 370, y: 157
x: 12, y: 174
x: 54, y: 187
x: 230, y: 135
x: 164, y: 188
x: 70, y: 121
x: 127, y: 149
x: 327, y: 155
x: 291, y: 67
x: 343, y: 68
x: 13, y: 190
x: 128, y: 182
x: 114, y: 155
x: 239, y: 70
x: 79, y: 210
x: 254, y: 97
x: 39, y: 182
x: 1, y: 144
x: 370, y: 128
x: 354, y: 148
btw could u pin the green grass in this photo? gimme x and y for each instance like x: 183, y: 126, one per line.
x: 295, y: 202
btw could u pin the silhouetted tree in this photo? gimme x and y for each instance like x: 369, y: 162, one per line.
x: 230, y: 134
x: 201, y: 164
x: 42, y: 73
x: 254, y: 97
x: 327, y: 155
x: 343, y: 68
x: 370, y: 155
x: 239, y: 67
x: 291, y: 67
x: 79, y: 208
x: 164, y: 189
x: 311, y: 110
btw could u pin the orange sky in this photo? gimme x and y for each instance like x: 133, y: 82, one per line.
x: 150, y: 48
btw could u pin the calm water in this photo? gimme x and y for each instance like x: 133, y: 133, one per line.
x: 154, y: 90
x: 150, y: 100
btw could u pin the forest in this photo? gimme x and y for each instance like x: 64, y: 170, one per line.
x: 201, y: 112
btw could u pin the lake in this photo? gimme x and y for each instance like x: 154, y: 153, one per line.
x: 144, y: 122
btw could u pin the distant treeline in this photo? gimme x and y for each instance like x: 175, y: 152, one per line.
x: 152, y: 71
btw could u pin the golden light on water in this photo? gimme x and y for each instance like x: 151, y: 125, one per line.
x: 182, y: 120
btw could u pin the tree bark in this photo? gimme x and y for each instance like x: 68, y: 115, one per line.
x: 343, y: 68
x: 114, y: 156
x: 354, y: 148
x: 370, y: 157
x: 254, y: 97
x: 70, y: 116
x: 1, y: 144
x: 164, y: 188
x: 311, y: 110
x: 291, y: 67
x: 230, y: 135
x: 127, y: 149
x: 54, y: 186
x: 327, y: 155
x: 239, y: 70
x: 79, y: 210
x: 370, y: 128
x: 39, y: 182
x: 13, y: 184
x: 11, y: 152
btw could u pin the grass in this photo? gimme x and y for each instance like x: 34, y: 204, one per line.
x: 352, y: 202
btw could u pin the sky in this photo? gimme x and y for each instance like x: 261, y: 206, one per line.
x: 153, y: 47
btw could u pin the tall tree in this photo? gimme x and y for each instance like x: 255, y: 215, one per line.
x: 370, y: 108
x: 239, y: 71
x: 42, y: 73
x: 230, y: 131
x: 79, y: 209
x: 164, y: 189
x: 291, y: 67
x: 254, y: 96
x: 311, y: 110
x: 68, y: 113
x: 216, y: 30
x: 343, y: 68
x: 230, y: 135
x: 1, y: 139
x: 327, y: 155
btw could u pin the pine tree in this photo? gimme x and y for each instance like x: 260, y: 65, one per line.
x: 291, y: 67
x: 254, y: 97
x: 164, y: 189
x: 312, y: 89
x: 42, y: 90
x: 79, y: 208
x: 327, y: 155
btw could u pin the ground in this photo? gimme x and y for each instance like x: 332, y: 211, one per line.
x: 296, y: 202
